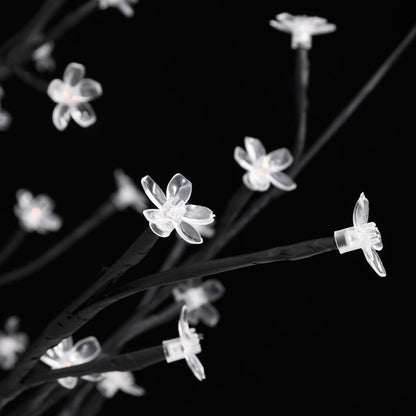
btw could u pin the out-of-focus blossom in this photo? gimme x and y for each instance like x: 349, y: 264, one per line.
x: 125, y: 6
x: 128, y: 195
x: 114, y: 381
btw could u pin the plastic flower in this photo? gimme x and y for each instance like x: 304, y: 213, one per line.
x: 264, y: 169
x: 363, y: 235
x: 302, y: 28
x: 65, y: 354
x: 12, y: 343
x: 198, y: 301
x: 173, y: 212
x: 123, y: 5
x: 113, y: 381
x: 127, y: 195
x: 42, y: 57
x: 72, y: 96
x: 185, y: 347
x: 36, y: 213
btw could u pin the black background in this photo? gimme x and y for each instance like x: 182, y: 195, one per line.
x: 183, y: 83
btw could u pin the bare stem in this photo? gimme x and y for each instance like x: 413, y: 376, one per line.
x: 12, y: 245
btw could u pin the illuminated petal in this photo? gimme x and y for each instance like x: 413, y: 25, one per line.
x: 83, y: 114
x: 282, y: 181
x: 189, y: 233
x: 153, y: 215
x: 55, y: 89
x: 87, y: 349
x: 209, y: 315
x: 213, y: 289
x: 88, y: 89
x: 73, y: 74
x: 162, y: 228
x: 153, y: 191
x: 61, y: 116
x: 68, y: 382
x: 197, y: 214
x: 179, y: 189
x: 196, y: 366
x: 242, y: 158
x: 256, y: 182
x: 279, y: 159
x: 255, y: 148
x: 374, y: 261
x: 361, y: 211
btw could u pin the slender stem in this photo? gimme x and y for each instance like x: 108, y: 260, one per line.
x: 133, y: 361
x: 292, y: 252
x: 324, y: 138
x: 31, y: 79
x: 12, y: 245
x: 104, y: 212
x: 301, y: 88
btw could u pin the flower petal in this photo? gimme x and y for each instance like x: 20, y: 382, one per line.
x: 196, y: 366
x: 52, y: 222
x: 153, y: 215
x: 45, y: 203
x: 209, y: 315
x: 189, y: 233
x: 88, y: 89
x: 153, y: 191
x: 83, y: 114
x: 213, y: 289
x: 162, y: 228
x: 87, y: 349
x: 68, y: 382
x: 279, y: 159
x: 134, y: 390
x: 73, y: 74
x: 24, y: 198
x: 49, y: 361
x: 242, y: 158
x: 54, y: 91
x: 179, y: 189
x: 282, y: 181
x: 107, y: 389
x: 256, y: 182
x: 374, y: 261
x: 361, y: 211
x: 197, y: 214
x: 61, y: 116
x: 255, y: 148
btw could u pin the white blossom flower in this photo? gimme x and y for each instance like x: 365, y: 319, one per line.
x: 264, y: 169
x: 125, y: 6
x: 172, y: 212
x: 185, y: 347
x: 302, y: 28
x: 363, y: 235
x: 65, y: 354
x: 42, y: 57
x: 12, y: 343
x: 36, y: 213
x: 72, y: 96
x: 113, y: 381
x: 198, y: 300
x: 128, y: 195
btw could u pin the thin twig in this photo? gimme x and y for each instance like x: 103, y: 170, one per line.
x: 12, y: 245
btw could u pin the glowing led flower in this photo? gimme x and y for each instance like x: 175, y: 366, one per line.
x: 125, y: 6
x: 127, y: 195
x: 264, y: 169
x: 363, y: 235
x: 5, y: 117
x: 113, y: 381
x: 12, y: 343
x: 36, y: 213
x: 72, y: 96
x: 198, y: 301
x: 42, y: 57
x: 185, y: 347
x: 172, y: 212
x: 302, y: 28
x: 65, y: 354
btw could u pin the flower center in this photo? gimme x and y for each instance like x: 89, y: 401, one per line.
x: 195, y: 297
x: 261, y: 166
x: 174, y: 211
x: 35, y: 213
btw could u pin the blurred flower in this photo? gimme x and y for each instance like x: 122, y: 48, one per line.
x: 198, y: 300
x: 42, y: 57
x: 128, y: 195
x: 72, y: 96
x: 263, y: 169
x: 65, y: 354
x: 12, y: 343
x: 123, y: 5
x: 363, y: 235
x: 185, y: 347
x: 113, y: 381
x: 172, y: 212
x: 36, y: 213
x: 302, y: 28
x: 5, y: 117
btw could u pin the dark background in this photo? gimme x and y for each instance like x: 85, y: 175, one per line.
x: 183, y: 83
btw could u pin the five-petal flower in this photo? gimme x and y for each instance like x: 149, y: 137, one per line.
x: 12, y: 343
x: 198, y: 300
x: 113, y: 381
x: 185, y: 347
x: 127, y: 195
x: 125, y: 6
x: 264, y: 169
x: 72, y: 96
x: 302, y: 28
x: 363, y: 235
x: 66, y: 354
x: 36, y: 213
x: 172, y: 211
